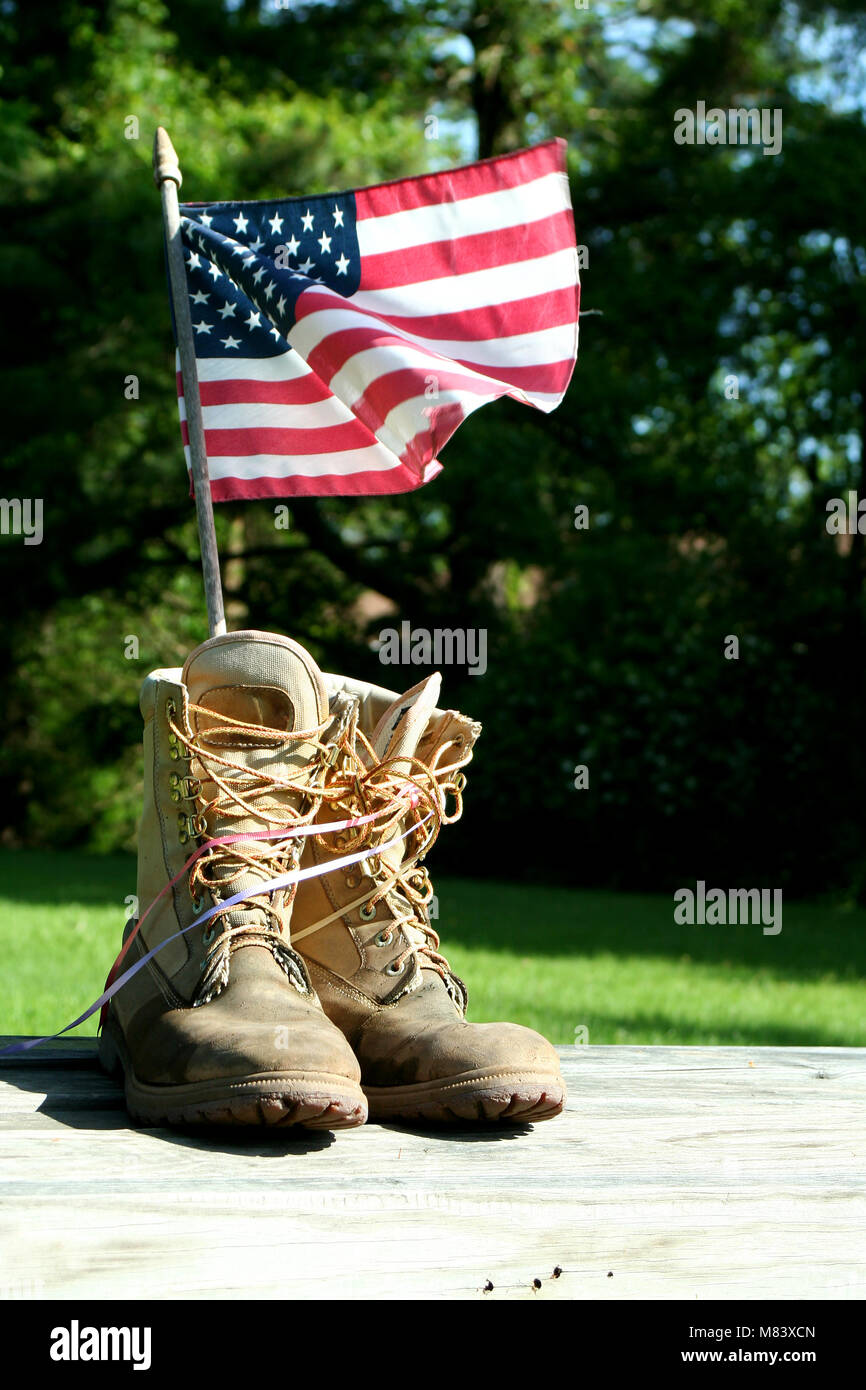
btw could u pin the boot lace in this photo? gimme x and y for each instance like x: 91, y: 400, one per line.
x: 242, y: 793
x: 360, y: 783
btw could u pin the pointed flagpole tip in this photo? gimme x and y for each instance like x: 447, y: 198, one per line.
x: 165, y: 165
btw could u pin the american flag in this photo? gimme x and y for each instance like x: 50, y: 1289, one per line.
x: 341, y: 339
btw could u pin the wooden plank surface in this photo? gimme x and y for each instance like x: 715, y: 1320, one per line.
x: 674, y: 1173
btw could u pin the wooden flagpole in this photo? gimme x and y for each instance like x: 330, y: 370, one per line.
x: 167, y: 176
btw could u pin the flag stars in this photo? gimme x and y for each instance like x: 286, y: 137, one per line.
x: 228, y: 310
x: 258, y: 275
x: 275, y: 332
x: 337, y: 215
x: 292, y: 245
x: 194, y: 260
x: 307, y: 220
x: 281, y: 302
x: 269, y: 289
x: 230, y: 342
x: 205, y: 218
x: 254, y: 320
x: 325, y: 243
x: 307, y: 266
x: 200, y: 297
x: 343, y: 265
x: 241, y: 223
x: 214, y: 270
x: 202, y: 327
x: 257, y: 244
x: 276, y: 224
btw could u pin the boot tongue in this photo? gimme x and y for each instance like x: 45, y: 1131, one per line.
x: 399, y: 731
x: 398, y: 734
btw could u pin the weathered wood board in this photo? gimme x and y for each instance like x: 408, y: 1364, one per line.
x: 675, y: 1173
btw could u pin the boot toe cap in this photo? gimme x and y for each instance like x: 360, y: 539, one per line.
x: 186, y: 1046
x: 454, y: 1049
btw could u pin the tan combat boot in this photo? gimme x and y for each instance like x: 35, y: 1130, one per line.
x: 223, y: 1025
x: 365, y: 931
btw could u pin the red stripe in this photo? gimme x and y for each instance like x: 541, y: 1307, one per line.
x: 330, y: 439
x: 370, y: 484
x: 303, y: 390
x: 387, y: 392
x: 549, y: 310
x: 427, y: 443
x: 334, y: 351
x: 451, y: 185
x: 552, y: 377
x: 462, y: 255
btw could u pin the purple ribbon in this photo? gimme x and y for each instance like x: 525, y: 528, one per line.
x: 269, y: 886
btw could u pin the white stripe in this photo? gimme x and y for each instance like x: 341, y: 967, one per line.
x: 477, y: 289
x: 286, y: 366
x: 410, y: 417
x: 365, y: 367
x: 486, y: 212
x: 520, y: 350
x: 268, y: 415
x: 376, y: 459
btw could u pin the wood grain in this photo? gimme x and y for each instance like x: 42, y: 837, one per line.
x: 674, y: 1173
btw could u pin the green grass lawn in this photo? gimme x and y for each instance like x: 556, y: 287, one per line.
x: 615, y: 964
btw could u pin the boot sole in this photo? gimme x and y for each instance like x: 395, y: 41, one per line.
x: 502, y: 1098
x: 311, y: 1100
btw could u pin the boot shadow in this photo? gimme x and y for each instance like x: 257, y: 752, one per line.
x: 468, y: 1133
x: 79, y: 1094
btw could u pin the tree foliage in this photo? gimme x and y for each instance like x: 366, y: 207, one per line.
x: 718, y: 405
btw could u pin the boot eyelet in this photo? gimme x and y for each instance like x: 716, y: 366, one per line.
x: 208, y: 936
x: 384, y: 938
x: 395, y: 968
x: 367, y: 912
x: 197, y: 904
x: 371, y: 865
x: 352, y: 880
x: 459, y: 782
x: 170, y: 707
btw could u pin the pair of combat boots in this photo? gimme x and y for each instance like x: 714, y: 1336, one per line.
x: 286, y: 815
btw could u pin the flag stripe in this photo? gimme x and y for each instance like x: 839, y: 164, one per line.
x: 308, y: 390
x: 498, y: 321
x: 474, y: 289
x: 486, y: 216
x: 455, y: 185
x: 330, y: 338
x: 312, y: 465
x: 369, y: 482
